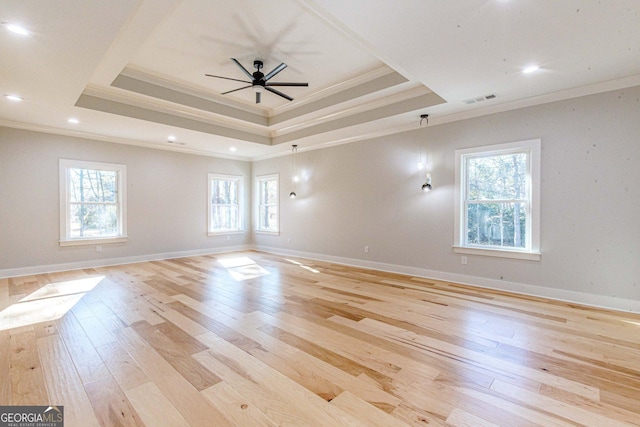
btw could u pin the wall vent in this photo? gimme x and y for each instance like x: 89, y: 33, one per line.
x: 480, y: 99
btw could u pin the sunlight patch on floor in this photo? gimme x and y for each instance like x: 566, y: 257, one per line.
x: 632, y: 322
x: 243, y: 268
x: 50, y: 302
x: 306, y: 267
x: 236, y: 261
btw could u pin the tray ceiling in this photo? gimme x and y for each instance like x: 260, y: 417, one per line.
x: 134, y: 72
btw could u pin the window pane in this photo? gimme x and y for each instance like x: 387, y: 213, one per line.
x: 497, y: 177
x: 93, y: 220
x: 92, y: 201
x: 224, y: 209
x: 269, y: 218
x: 224, y: 217
x: 269, y: 191
x: 496, y: 224
x: 88, y: 185
x: 224, y: 192
x: 267, y: 204
x: 499, y: 200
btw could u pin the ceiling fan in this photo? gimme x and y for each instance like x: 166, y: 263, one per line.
x: 259, y: 80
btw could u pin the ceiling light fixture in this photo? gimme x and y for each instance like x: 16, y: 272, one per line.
x: 531, y: 69
x: 73, y: 121
x: 294, y: 177
x: 233, y: 149
x: 16, y: 28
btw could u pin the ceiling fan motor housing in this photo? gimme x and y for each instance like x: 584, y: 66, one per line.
x: 258, y: 76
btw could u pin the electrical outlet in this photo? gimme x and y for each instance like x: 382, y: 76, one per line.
x: 463, y: 260
x: 366, y: 249
x: 99, y: 248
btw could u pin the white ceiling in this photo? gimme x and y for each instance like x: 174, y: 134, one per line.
x: 134, y: 72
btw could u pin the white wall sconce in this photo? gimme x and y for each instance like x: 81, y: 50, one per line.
x: 426, y: 187
x: 294, y: 177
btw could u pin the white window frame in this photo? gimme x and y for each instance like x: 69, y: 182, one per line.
x: 532, y: 240
x: 65, y: 217
x: 259, y: 203
x: 239, y: 197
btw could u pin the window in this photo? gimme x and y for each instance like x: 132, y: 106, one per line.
x: 225, y: 193
x: 267, y: 199
x: 92, y: 202
x: 497, y: 205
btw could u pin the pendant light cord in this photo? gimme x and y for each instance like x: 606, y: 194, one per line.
x: 294, y: 150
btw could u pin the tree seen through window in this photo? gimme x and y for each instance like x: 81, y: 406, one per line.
x: 93, y: 203
x: 497, y: 200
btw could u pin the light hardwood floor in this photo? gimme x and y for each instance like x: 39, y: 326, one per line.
x: 257, y: 339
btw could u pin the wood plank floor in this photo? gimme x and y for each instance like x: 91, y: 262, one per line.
x: 255, y: 339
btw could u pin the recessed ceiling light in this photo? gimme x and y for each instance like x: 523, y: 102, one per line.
x: 73, y: 121
x: 233, y: 149
x: 171, y: 138
x: 15, y: 28
x: 531, y: 69
x: 15, y: 98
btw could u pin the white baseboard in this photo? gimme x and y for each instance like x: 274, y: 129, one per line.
x: 52, y: 268
x: 592, y: 300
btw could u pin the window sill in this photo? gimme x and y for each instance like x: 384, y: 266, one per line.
x: 92, y: 241
x: 500, y: 253
x: 270, y: 233
x: 225, y: 233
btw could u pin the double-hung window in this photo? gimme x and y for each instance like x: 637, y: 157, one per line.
x: 267, y: 216
x: 497, y: 202
x: 92, y: 202
x: 225, y: 195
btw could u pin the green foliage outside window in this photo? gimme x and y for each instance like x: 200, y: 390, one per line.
x: 268, y: 204
x: 497, y: 200
x: 93, y: 203
x: 224, y: 205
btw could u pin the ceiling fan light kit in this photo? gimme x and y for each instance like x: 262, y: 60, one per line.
x: 260, y: 81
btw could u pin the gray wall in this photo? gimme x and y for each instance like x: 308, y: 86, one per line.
x: 367, y: 193
x: 166, y: 200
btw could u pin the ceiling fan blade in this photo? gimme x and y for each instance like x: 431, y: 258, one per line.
x: 258, y: 97
x: 244, y: 70
x: 226, y: 78
x: 275, y: 71
x: 287, y: 84
x: 235, y: 90
x: 277, y: 92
